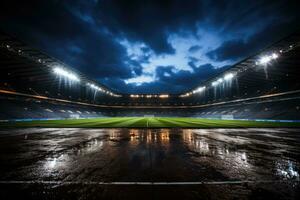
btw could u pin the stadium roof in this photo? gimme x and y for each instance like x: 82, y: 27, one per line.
x: 37, y: 65
x: 277, y: 49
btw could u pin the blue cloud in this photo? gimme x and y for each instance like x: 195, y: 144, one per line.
x: 194, y: 48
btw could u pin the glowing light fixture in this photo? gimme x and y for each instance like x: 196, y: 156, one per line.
x: 228, y: 76
x: 215, y: 83
x: 163, y: 96
x: 266, y: 59
x: 200, y: 89
x: 274, y: 56
x: 61, y: 72
x: 186, y: 94
x: 95, y: 87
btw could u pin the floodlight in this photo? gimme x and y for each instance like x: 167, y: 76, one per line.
x: 200, y: 89
x: 163, y: 96
x: 228, y: 76
x: 215, y: 83
x: 61, y: 72
x: 264, y: 60
x: 268, y: 58
x: 274, y: 55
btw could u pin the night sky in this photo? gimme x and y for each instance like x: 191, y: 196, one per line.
x: 143, y: 46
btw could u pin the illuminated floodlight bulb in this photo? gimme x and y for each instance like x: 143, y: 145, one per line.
x: 274, y: 56
x: 200, y: 89
x: 185, y: 95
x: 93, y: 86
x: 264, y: 60
x: 228, y: 76
x: 163, y: 96
x: 215, y: 83
x: 61, y: 72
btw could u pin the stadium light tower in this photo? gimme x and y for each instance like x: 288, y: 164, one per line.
x: 69, y: 75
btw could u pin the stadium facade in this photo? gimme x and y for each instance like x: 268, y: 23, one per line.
x: 265, y: 85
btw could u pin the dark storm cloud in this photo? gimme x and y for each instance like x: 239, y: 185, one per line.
x: 184, y: 78
x: 137, y: 68
x: 149, y: 21
x: 173, y: 83
x: 86, y: 35
x: 237, y: 49
x: 51, y: 26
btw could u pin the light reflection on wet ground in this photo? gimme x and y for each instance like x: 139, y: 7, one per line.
x: 153, y: 155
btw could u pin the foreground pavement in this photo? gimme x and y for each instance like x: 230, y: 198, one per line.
x: 77, y: 163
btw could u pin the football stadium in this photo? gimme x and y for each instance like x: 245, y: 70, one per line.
x: 66, y: 135
x: 40, y: 91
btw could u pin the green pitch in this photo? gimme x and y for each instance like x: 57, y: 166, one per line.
x: 147, y: 122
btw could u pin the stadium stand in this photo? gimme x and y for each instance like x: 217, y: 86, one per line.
x: 263, y: 86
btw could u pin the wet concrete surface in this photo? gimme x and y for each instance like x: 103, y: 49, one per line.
x: 76, y: 163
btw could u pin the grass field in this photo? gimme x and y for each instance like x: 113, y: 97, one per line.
x: 147, y: 122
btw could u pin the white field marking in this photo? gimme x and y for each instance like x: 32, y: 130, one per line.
x: 144, y: 183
